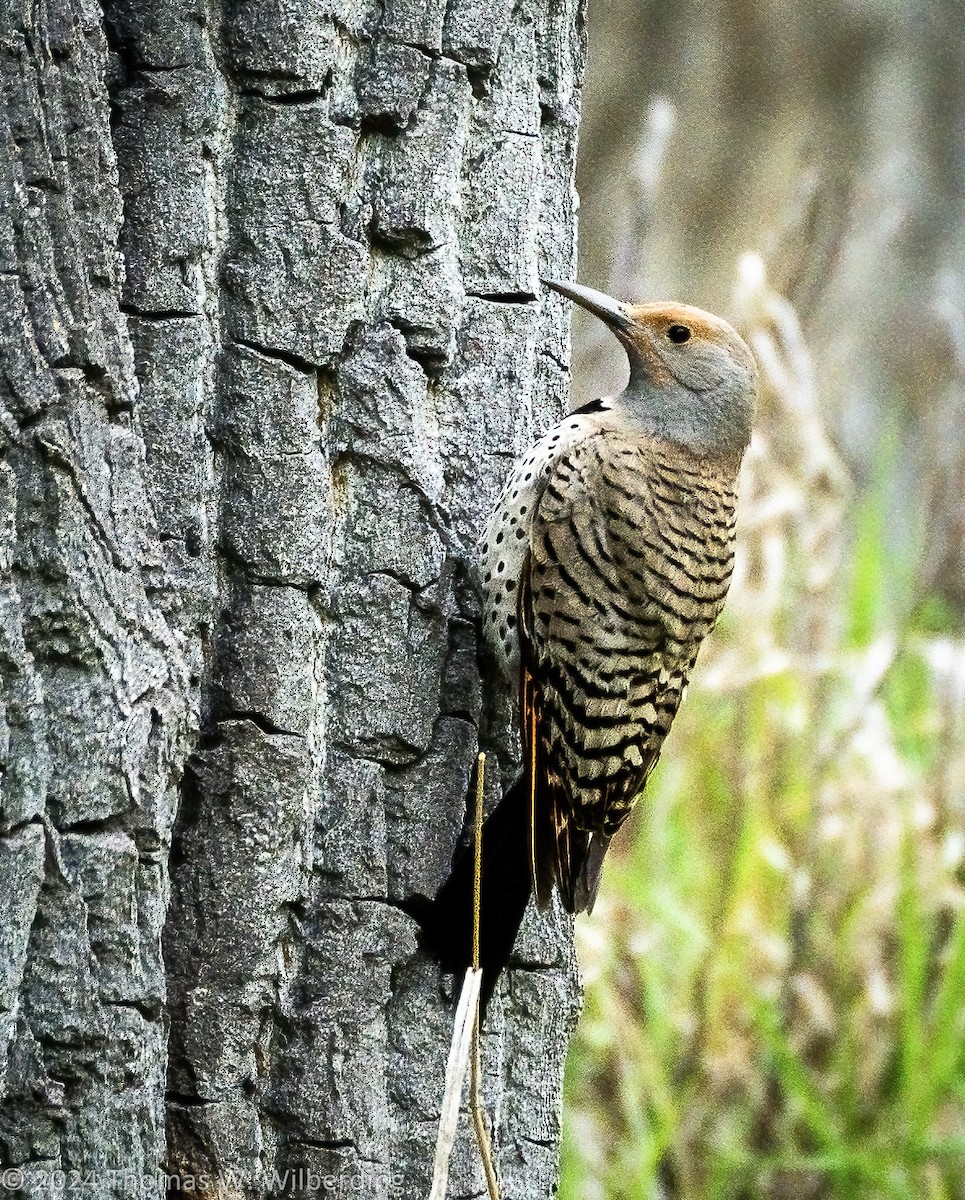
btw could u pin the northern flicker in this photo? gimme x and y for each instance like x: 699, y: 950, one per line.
x: 604, y: 565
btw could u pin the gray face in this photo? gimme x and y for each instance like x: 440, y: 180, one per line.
x: 693, y: 379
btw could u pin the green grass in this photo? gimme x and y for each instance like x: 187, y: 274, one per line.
x: 775, y: 1002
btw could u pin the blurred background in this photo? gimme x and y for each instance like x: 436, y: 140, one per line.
x: 775, y: 969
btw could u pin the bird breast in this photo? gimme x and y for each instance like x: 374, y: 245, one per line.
x: 663, y: 531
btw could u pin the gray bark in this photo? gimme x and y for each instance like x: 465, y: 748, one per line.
x: 269, y: 342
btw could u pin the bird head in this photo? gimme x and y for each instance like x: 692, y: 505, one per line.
x: 693, y: 379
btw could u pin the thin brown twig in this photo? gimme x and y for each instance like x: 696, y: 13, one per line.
x: 475, y: 1096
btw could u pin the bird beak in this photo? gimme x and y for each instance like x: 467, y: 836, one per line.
x: 610, y: 311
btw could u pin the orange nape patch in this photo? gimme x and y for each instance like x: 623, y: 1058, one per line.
x: 650, y: 326
x: 659, y: 315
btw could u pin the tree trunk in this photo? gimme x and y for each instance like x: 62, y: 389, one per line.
x: 269, y: 344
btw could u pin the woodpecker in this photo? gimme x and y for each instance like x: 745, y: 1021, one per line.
x: 603, y: 566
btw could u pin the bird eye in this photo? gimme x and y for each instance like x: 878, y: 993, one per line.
x: 678, y: 334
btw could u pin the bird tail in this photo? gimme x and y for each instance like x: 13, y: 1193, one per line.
x: 567, y: 857
x: 447, y: 921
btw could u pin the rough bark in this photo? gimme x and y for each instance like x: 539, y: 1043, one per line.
x: 269, y: 339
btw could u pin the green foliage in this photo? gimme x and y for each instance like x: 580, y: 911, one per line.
x: 775, y: 972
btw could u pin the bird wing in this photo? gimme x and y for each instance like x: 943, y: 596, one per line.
x: 610, y: 619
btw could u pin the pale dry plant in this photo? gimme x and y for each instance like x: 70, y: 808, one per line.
x: 776, y: 967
